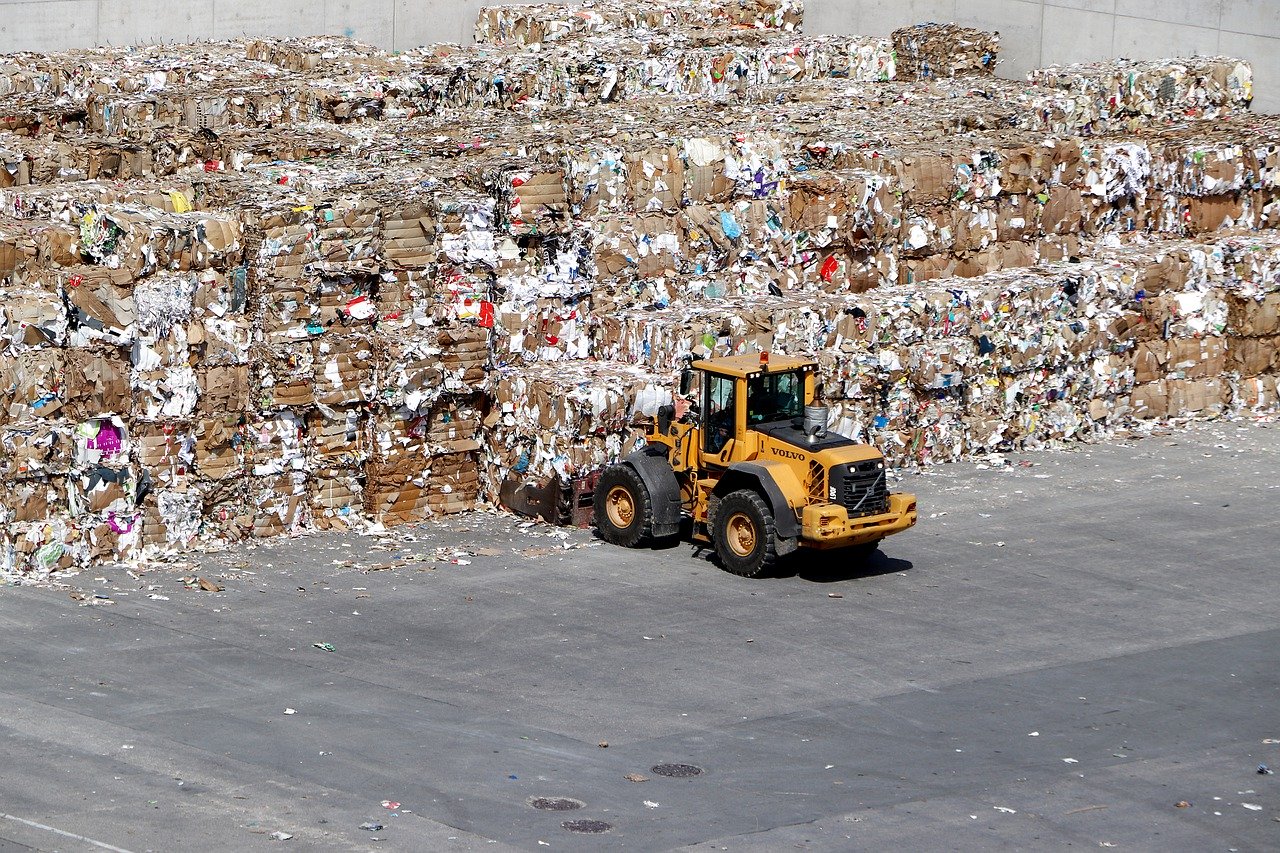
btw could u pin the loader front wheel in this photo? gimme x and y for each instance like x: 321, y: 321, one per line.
x: 624, y: 513
x: 744, y: 533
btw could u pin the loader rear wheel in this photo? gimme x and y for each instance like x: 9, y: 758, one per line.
x: 624, y: 513
x: 745, y: 536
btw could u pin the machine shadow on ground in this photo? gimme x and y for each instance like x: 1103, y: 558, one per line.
x: 808, y: 565
x: 835, y: 566
x: 813, y: 566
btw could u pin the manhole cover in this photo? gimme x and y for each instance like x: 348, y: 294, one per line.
x: 587, y: 827
x: 556, y: 804
x: 677, y: 771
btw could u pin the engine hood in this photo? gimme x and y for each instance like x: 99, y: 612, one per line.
x: 791, y: 433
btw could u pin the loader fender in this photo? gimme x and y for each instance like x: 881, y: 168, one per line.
x: 654, y: 468
x: 763, y: 477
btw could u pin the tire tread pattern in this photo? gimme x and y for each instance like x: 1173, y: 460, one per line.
x: 766, y: 552
x: 641, y: 527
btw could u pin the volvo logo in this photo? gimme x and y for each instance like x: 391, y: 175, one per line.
x: 786, y: 454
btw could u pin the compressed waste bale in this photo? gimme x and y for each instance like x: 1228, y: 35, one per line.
x: 537, y: 23
x: 1108, y: 95
x: 928, y: 50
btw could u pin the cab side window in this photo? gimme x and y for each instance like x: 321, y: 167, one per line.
x: 774, y: 397
x: 718, y: 413
x: 789, y: 395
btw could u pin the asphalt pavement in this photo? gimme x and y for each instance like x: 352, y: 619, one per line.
x: 1071, y: 649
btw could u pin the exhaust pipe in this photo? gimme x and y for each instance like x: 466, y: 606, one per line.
x: 815, y: 422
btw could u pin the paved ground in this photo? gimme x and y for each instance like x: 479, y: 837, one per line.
x: 1060, y: 653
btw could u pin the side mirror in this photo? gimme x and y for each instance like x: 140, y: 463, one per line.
x: 686, y: 381
x: 666, y: 414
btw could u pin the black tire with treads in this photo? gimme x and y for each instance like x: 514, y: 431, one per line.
x: 624, y: 512
x: 745, y: 536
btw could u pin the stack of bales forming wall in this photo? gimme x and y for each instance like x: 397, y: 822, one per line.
x: 265, y: 286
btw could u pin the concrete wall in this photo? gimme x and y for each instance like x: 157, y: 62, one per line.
x: 1035, y: 32
x: 397, y: 24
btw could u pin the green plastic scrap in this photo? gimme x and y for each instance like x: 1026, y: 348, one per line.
x: 326, y: 647
x: 47, y: 556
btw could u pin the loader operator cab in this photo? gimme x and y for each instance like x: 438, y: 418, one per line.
x: 772, y: 396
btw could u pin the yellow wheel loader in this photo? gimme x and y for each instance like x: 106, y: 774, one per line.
x: 754, y: 467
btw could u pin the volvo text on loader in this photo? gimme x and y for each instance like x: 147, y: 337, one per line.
x: 755, y: 469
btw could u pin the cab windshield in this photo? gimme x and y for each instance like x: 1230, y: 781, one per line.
x: 775, y: 397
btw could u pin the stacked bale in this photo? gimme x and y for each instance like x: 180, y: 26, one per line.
x: 268, y: 286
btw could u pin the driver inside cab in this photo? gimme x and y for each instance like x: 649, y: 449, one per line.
x: 721, y: 407
x: 773, y: 397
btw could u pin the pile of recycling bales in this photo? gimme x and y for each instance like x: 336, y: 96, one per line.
x: 267, y: 286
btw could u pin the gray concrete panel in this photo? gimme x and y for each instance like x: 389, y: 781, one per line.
x: 48, y: 26
x: 1105, y: 6
x: 235, y: 18
x: 1071, y: 35
x: 1035, y: 32
x: 1251, y: 17
x: 1142, y: 39
x: 371, y: 21
x: 1195, y: 13
x: 150, y: 21
x: 880, y: 19
x: 848, y: 18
